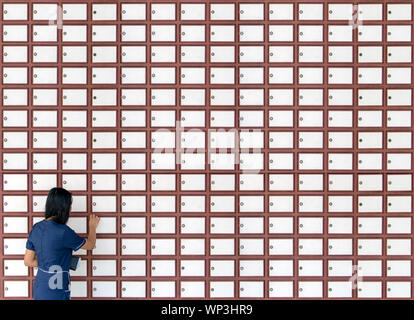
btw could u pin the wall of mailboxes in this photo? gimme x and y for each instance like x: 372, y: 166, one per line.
x: 383, y: 144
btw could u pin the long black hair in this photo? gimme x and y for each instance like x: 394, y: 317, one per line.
x: 58, y: 204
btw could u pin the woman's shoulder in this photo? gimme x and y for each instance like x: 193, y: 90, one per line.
x: 51, y: 227
x: 39, y: 223
x: 37, y: 227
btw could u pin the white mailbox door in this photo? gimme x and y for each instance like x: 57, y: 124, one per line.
x: 280, y: 246
x: 222, y: 161
x: 163, y: 289
x: 104, y: 11
x: 310, y: 268
x: 281, y: 289
x: 222, y: 268
x: 16, y: 289
x: 15, y: 75
x: 74, y: 118
x: 44, y: 119
x: 133, y: 247
x: 163, y: 246
x: 163, y: 268
x: 340, y: 225
x: 133, y: 203
x: 281, y: 225
x: 192, y: 246
x: 104, y: 54
x: 107, y: 225
x: 105, y: 247
x: 310, y: 289
x: 192, y: 203
x: 310, y: 225
x: 15, y: 268
x: 14, y: 118
x: 221, y: 289
x: 15, y: 225
x: 192, y: 11
x: 163, y: 203
x: 192, y: 289
x: 370, y: 289
x: 399, y: 268
x: 133, y: 268
x: 14, y: 246
x: 71, y: 54
x: 195, y: 182
x: 133, y: 289
x: 15, y: 203
x: 134, y: 225
x: 104, y: 289
x: 15, y: 182
x: 192, y: 225
x: 74, y: 11
x: 104, y: 97
x: 15, y: 11
x: 251, y: 289
x: 104, y: 33
x: 222, y: 225
x: 281, y: 268
x: 104, y: 267
x: 192, y: 119
x: 222, y: 204
x: 340, y: 268
x: 310, y: 246
x: 163, y: 225
x: 222, y: 246
x: 15, y: 54
x: 15, y: 33
x: 253, y: 268
x: 399, y: 225
x: 47, y: 33
x: 162, y: 33
x: 103, y: 203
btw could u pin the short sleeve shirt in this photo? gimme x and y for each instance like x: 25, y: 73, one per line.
x: 53, y: 244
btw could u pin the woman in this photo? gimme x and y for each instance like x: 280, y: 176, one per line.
x: 50, y: 244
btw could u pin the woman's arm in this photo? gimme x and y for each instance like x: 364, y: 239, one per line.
x: 30, y: 259
x: 93, y: 224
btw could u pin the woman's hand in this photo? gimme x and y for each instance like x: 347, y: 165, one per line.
x: 93, y: 221
x: 90, y: 242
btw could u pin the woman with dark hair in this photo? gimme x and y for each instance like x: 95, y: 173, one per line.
x: 50, y: 244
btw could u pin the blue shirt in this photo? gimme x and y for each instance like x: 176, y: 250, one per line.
x: 53, y: 243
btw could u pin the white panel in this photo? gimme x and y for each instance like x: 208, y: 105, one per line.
x: 104, y: 289
x: 15, y: 268
x: 133, y: 268
x: 221, y: 289
x: 163, y: 289
x: 105, y: 247
x: 310, y: 289
x: 133, y: 289
x: 18, y: 289
x: 133, y: 246
x: 15, y: 11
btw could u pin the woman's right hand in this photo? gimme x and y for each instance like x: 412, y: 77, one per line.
x: 93, y: 221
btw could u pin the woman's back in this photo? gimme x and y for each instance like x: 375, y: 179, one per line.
x: 53, y: 243
x: 50, y: 241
